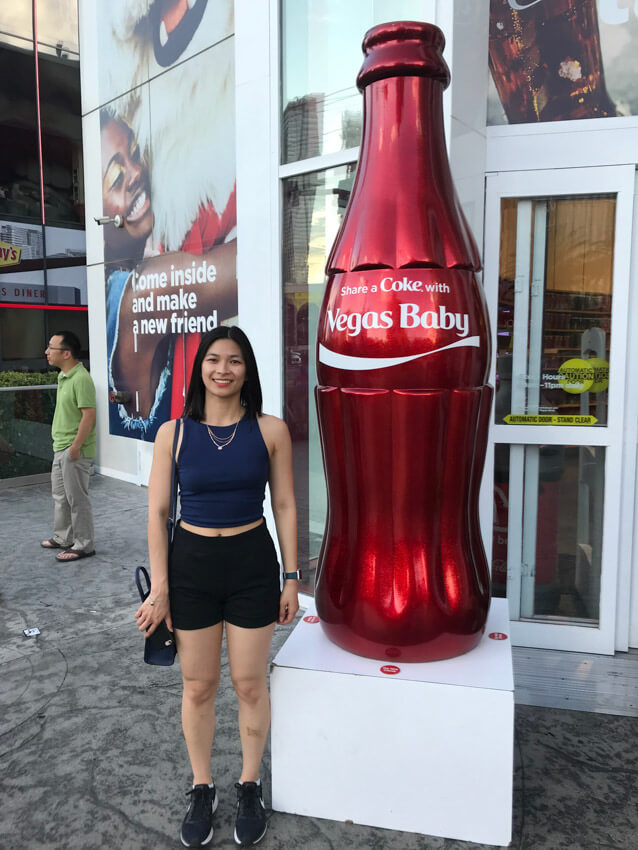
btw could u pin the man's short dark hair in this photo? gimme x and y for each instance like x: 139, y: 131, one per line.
x: 70, y: 341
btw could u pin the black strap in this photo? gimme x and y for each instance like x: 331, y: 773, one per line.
x: 172, y: 514
x: 141, y: 573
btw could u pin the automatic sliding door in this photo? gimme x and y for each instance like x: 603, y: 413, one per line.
x: 559, y: 304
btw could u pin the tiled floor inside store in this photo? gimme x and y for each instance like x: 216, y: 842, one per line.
x: 91, y: 754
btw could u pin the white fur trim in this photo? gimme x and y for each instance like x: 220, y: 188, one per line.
x: 191, y: 142
x: 190, y: 145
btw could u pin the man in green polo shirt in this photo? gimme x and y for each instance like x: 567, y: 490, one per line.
x: 73, y: 433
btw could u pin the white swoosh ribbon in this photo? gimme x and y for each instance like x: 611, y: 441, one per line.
x: 361, y: 364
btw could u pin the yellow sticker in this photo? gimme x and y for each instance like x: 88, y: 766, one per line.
x: 9, y: 254
x: 601, y: 374
x: 576, y: 376
x: 548, y: 419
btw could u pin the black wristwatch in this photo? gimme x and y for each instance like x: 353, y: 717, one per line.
x: 296, y: 575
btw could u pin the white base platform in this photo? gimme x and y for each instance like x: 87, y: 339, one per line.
x: 425, y: 748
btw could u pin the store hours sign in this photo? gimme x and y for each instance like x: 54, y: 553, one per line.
x: 575, y: 377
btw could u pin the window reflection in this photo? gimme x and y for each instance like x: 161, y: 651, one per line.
x: 322, y: 108
x: 554, y: 326
x: 16, y: 19
x: 25, y: 430
x: 58, y: 28
x: 313, y: 208
x: 27, y: 237
x: 60, y: 111
x: 22, y: 337
x: 24, y: 334
x: 47, y: 263
x: 19, y: 163
x: 24, y: 287
x: 560, y: 553
x: 66, y: 265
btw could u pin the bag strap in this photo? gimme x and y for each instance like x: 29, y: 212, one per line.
x: 172, y: 514
x: 141, y: 573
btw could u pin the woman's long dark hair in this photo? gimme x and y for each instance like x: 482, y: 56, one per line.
x: 251, y: 398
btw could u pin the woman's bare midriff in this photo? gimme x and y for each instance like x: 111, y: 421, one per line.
x: 219, y: 532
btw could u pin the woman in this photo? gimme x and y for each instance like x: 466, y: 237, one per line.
x: 126, y: 191
x: 140, y: 364
x: 223, y: 568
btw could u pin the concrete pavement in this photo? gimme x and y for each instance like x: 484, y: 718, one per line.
x: 91, y: 753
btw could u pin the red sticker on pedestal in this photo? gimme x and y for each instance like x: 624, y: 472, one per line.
x: 497, y: 636
x: 390, y: 669
x: 311, y: 618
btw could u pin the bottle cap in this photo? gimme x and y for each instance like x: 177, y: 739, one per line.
x: 403, y: 49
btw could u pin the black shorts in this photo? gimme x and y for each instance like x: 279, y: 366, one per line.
x: 233, y: 578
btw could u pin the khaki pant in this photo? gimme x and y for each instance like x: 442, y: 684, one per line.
x: 72, y: 515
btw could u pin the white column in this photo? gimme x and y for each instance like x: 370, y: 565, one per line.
x: 258, y: 204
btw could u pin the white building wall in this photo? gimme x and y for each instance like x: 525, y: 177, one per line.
x: 258, y: 208
x: 116, y: 456
x: 467, y: 56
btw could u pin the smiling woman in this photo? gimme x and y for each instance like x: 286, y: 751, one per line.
x: 222, y: 573
x: 125, y: 190
x: 140, y: 348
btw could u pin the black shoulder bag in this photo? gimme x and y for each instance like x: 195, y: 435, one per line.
x: 159, y: 648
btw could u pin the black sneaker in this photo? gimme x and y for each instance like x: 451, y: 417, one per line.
x: 250, y: 824
x: 197, y: 826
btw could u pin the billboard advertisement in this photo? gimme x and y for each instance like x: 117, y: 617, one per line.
x: 559, y: 60
x: 168, y: 170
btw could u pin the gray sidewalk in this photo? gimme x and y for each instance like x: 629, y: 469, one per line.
x: 91, y: 754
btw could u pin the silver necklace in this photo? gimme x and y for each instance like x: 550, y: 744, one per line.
x: 222, y: 442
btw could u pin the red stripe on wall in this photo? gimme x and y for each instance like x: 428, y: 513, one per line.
x: 15, y: 306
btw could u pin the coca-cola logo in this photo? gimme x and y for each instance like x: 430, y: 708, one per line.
x: 406, y: 285
x: 351, y: 361
x: 389, y: 285
x: 514, y: 4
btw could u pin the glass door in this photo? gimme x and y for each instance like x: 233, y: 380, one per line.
x: 556, y: 276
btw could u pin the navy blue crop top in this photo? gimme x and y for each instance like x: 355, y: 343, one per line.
x: 223, y: 488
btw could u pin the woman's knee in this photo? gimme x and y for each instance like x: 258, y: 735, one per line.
x: 200, y: 691
x: 250, y: 690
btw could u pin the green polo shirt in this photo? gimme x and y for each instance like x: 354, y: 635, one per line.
x: 75, y: 391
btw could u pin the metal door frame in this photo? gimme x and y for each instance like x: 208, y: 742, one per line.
x: 620, y: 453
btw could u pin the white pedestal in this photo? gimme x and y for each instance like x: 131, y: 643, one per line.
x: 425, y: 748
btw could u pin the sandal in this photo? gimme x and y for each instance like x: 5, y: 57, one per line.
x: 52, y: 544
x: 76, y: 555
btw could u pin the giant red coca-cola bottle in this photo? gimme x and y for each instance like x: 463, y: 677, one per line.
x: 402, y: 360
